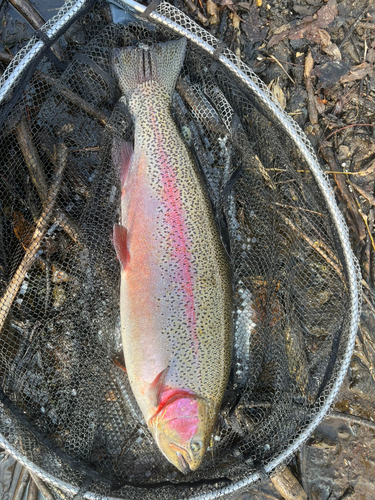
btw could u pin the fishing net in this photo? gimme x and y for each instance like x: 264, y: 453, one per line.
x: 67, y: 411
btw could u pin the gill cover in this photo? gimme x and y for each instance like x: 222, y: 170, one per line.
x: 181, y: 430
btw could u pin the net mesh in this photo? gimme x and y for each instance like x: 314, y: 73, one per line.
x: 68, y: 408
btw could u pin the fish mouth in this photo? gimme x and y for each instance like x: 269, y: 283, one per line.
x: 182, y: 462
x: 183, y: 465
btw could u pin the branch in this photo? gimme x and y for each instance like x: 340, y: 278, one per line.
x: 40, y: 230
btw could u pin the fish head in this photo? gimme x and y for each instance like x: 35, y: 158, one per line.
x: 182, y: 431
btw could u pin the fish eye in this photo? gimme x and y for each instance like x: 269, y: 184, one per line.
x: 195, y: 446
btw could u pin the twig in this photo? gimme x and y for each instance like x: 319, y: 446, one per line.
x: 194, y: 10
x: 297, y: 208
x: 343, y: 128
x: 21, y: 486
x: 352, y: 418
x: 27, y: 11
x: 282, y: 67
x: 368, y: 196
x: 35, y: 166
x: 368, y: 301
x: 43, y: 488
x: 287, y: 485
x: 32, y: 16
x: 5, y: 58
x: 364, y: 216
x: 314, y: 245
x: 366, y: 336
x: 345, y: 193
x: 31, y: 158
x: 321, y: 243
x: 343, y: 173
x: 209, y: 118
x: 313, y: 113
x: 302, y: 461
x: 33, y: 491
x: 74, y: 98
x: 40, y: 230
x: 369, y: 246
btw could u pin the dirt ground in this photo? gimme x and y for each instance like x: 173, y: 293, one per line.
x: 317, y: 57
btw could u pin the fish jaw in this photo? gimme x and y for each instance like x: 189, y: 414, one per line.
x: 181, y: 430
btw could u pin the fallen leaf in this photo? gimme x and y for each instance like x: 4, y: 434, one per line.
x: 235, y: 21
x: 277, y: 91
x: 213, y: 12
x: 333, y: 50
x: 278, y: 37
x: 310, y: 25
x: 327, y: 46
x: 330, y: 72
x: 325, y: 39
x: 244, y: 5
x: 357, y: 72
x: 226, y: 3
x: 320, y: 105
x: 23, y: 229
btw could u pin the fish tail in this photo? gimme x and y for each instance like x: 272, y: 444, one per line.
x: 159, y: 63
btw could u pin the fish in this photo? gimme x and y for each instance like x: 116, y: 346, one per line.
x: 175, y: 291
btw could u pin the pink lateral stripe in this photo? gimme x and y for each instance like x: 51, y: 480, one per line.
x: 178, y: 231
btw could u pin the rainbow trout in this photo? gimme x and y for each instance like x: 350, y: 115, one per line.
x: 176, y: 295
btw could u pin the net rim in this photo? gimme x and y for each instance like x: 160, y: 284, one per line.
x: 244, y: 74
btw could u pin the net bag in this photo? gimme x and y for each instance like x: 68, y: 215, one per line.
x: 67, y: 412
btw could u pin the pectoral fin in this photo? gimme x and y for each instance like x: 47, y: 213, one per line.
x: 120, y: 242
x: 157, y: 387
x: 122, y: 155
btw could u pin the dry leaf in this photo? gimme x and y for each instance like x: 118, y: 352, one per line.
x: 357, y: 72
x: 310, y: 25
x: 235, y: 21
x: 333, y: 50
x: 226, y: 3
x: 327, y: 46
x: 213, y: 12
x: 23, y: 229
x: 309, y: 63
x: 244, y: 5
x: 277, y: 91
x: 330, y: 72
x: 325, y: 39
x: 320, y: 105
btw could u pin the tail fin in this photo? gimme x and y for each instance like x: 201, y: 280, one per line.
x: 159, y: 63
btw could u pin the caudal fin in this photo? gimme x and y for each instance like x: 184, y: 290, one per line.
x: 159, y: 63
